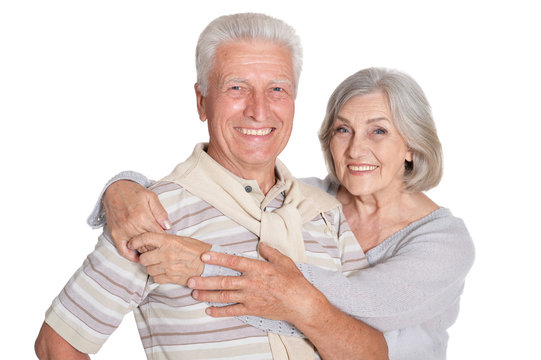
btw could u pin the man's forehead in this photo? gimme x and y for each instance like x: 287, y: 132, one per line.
x: 253, y: 53
x: 242, y: 80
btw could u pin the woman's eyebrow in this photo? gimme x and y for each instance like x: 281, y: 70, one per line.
x: 369, y: 121
x: 376, y: 119
x: 343, y: 119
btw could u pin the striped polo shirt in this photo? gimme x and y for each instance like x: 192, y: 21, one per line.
x: 172, y: 325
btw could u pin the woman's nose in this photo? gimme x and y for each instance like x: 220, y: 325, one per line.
x: 358, y: 146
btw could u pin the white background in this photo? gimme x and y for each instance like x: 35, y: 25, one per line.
x: 91, y: 88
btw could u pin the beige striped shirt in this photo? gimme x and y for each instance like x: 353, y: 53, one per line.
x: 172, y: 325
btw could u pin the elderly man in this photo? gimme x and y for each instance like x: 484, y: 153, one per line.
x: 232, y: 192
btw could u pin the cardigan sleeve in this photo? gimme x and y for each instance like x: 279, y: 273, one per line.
x: 96, y: 219
x: 416, y: 281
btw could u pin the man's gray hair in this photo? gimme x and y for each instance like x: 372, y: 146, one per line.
x: 245, y: 26
x: 412, y: 117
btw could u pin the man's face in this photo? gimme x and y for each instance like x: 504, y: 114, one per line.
x: 249, y: 106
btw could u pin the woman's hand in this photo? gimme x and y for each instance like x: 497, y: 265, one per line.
x: 274, y: 290
x: 173, y: 259
x: 130, y: 210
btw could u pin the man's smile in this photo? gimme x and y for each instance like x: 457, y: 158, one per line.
x: 255, y: 132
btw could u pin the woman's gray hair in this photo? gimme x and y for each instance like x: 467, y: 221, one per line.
x: 412, y: 117
x: 245, y: 26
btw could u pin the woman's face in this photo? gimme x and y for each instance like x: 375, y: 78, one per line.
x: 367, y: 149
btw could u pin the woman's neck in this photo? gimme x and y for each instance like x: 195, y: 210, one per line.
x: 375, y: 217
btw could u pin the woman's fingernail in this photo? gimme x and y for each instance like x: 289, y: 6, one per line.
x: 190, y: 283
x: 195, y: 294
x: 205, y: 257
x: 167, y: 225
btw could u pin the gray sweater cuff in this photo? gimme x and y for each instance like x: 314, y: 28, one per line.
x: 215, y: 270
x: 97, y: 216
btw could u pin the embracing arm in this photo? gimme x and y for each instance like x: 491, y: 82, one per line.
x: 289, y: 297
x: 422, y: 278
x: 130, y: 209
x: 96, y: 219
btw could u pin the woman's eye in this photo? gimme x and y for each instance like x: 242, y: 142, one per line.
x: 380, y: 131
x: 341, y: 130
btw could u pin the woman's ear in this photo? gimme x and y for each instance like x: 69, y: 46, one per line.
x: 409, y: 156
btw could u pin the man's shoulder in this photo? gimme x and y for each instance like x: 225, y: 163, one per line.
x: 173, y: 195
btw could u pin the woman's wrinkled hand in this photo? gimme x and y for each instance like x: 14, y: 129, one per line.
x: 130, y: 210
x: 275, y: 289
x: 173, y: 259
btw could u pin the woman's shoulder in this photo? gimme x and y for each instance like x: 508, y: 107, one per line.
x: 442, y: 220
x: 440, y: 223
x: 438, y: 235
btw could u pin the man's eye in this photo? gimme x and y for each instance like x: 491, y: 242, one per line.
x: 277, y: 88
x: 236, y: 87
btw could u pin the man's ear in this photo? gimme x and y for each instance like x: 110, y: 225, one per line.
x: 200, y: 104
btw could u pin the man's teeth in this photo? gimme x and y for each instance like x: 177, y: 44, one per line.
x: 258, y: 132
x: 362, y: 167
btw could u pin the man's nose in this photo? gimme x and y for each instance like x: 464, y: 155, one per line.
x: 257, y: 106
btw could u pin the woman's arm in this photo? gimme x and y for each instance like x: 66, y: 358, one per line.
x: 291, y: 298
x: 130, y: 209
x: 422, y: 278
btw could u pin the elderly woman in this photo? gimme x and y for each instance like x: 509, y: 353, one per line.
x: 382, y: 152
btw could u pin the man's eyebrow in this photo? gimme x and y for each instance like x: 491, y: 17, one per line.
x: 281, y: 81
x: 235, y: 80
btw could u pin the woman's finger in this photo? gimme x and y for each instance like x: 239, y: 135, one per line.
x: 148, y: 240
x: 152, y: 257
x: 123, y: 250
x: 155, y: 270
x: 158, y: 211
x: 239, y: 263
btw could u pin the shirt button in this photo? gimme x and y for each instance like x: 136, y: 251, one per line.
x: 248, y: 188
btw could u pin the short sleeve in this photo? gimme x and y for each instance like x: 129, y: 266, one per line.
x: 96, y: 298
